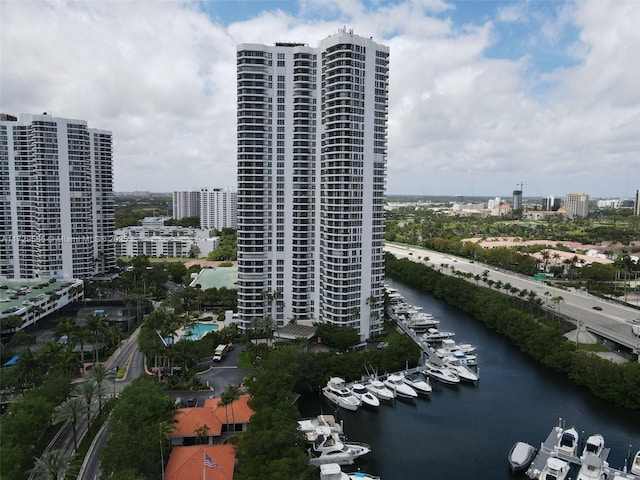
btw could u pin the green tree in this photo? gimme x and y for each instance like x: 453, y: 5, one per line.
x: 70, y: 410
x: 135, y: 422
x: 55, y: 464
x: 87, y: 390
x: 98, y: 375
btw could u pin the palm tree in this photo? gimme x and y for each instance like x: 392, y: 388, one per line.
x: 545, y: 256
x: 64, y: 330
x: 96, y: 326
x: 29, y: 368
x: 230, y: 394
x: 88, y: 390
x: 54, y: 463
x: 98, y: 374
x: 70, y: 410
x: 556, y: 300
x: 81, y: 335
x: 68, y: 362
x: 202, y: 433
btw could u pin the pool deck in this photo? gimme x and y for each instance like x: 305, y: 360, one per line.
x: 206, y: 320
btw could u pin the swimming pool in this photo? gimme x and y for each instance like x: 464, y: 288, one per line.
x: 199, y: 330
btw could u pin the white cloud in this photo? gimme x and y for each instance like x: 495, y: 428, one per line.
x: 161, y: 76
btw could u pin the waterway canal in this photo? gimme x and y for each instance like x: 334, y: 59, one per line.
x: 466, y: 432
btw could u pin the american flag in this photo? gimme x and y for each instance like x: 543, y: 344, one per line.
x: 210, y: 462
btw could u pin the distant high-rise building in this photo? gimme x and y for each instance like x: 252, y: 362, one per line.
x: 312, y: 147
x: 551, y: 203
x: 218, y: 208
x: 517, y: 199
x: 56, y: 198
x: 576, y: 204
x: 186, y: 204
x: 636, y: 205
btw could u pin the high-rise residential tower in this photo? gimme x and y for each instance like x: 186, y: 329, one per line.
x: 186, y: 204
x: 636, y: 205
x: 56, y: 208
x: 517, y: 199
x: 218, y: 208
x: 312, y: 148
x: 576, y: 204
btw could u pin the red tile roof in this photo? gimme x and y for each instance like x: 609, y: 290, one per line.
x: 187, y: 463
x: 188, y: 420
x: 239, y: 411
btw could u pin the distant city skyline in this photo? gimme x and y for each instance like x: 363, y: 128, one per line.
x: 485, y: 95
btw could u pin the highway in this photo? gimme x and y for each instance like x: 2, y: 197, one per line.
x: 612, y: 322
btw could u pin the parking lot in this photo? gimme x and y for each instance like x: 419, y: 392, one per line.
x: 217, y: 377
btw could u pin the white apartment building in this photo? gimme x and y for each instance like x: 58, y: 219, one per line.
x: 312, y: 152
x: 56, y: 202
x: 218, y: 209
x: 576, y: 205
x: 186, y: 204
x: 164, y: 241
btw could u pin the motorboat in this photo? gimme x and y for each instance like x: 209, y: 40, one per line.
x: 308, y: 426
x: 568, y: 442
x: 329, y: 448
x: 592, y: 468
x: 635, y: 465
x: 435, y: 335
x: 367, y: 398
x: 555, y: 469
x: 380, y: 390
x: 417, y: 382
x: 395, y: 383
x: 593, y: 445
x: 462, y: 370
x: 337, y: 393
x: 421, y: 321
x: 520, y: 456
x: 458, y: 356
x: 332, y: 471
x: 441, y: 373
x: 449, y: 345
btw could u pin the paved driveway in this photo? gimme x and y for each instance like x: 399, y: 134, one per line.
x: 217, y: 377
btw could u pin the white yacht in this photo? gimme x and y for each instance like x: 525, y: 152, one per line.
x: 329, y: 448
x: 417, y: 382
x: 461, y: 369
x: 459, y: 356
x: 367, y: 398
x: 435, y: 335
x: 555, y: 469
x: 593, y: 445
x: 568, y: 442
x: 421, y: 321
x: 395, y: 383
x: 592, y: 468
x: 380, y: 390
x: 635, y: 465
x: 309, y: 426
x: 449, y: 345
x: 441, y: 373
x: 332, y: 471
x: 337, y: 392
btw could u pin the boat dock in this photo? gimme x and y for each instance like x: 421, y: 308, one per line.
x: 549, y: 448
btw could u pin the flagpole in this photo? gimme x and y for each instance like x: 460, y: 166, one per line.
x: 204, y: 466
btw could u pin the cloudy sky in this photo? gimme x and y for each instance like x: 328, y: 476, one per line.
x: 484, y: 95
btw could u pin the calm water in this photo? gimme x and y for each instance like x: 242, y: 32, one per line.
x: 466, y: 432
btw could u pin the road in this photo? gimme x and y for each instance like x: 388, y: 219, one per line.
x: 612, y: 322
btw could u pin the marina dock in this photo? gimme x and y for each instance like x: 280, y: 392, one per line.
x: 549, y: 448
